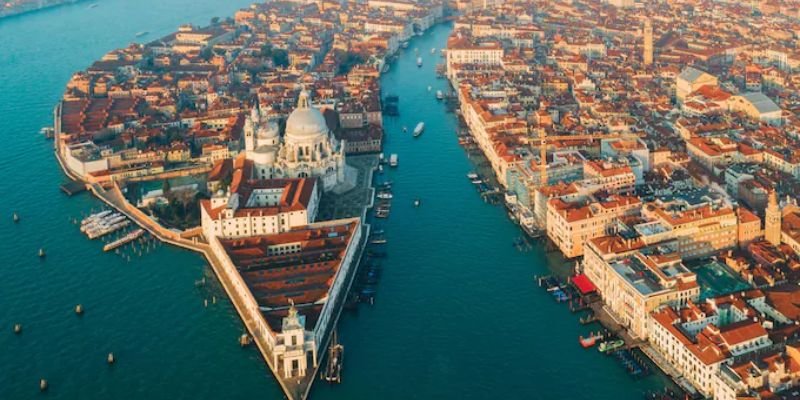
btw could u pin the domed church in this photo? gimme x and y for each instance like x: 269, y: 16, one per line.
x: 307, y: 149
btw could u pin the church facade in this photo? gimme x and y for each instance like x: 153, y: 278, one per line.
x: 307, y: 149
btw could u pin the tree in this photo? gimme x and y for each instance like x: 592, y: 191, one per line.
x: 280, y: 58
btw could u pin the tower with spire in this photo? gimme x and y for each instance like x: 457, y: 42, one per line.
x: 772, y: 217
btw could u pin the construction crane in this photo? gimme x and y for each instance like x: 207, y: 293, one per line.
x: 544, y: 140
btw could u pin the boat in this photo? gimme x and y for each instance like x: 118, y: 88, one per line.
x: 418, y: 130
x: 393, y: 160
x: 472, y: 176
x: 417, y: 202
x: 333, y: 372
x: 433, y: 50
x: 378, y: 240
x: 610, y: 346
x: 385, y: 68
x: 93, y: 5
x: 404, y: 45
x: 439, y: 95
x: 419, y: 62
x: 430, y: 88
x: 142, y: 33
x: 405, y: 129
x: 48, y: 132
x: 590, y: 341
x: 384, y: 195
x: 16, y: 217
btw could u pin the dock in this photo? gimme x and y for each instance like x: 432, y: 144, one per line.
x: 73, y: 187
x: 124, y: 240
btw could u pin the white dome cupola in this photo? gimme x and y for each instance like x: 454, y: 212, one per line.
x: 305, y: 122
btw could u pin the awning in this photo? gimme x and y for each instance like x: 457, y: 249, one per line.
x: 584, y: 285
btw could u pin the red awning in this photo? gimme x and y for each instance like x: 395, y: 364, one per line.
x: 584, y: 285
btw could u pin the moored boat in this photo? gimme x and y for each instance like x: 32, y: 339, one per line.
x: 610, y: 346
x: 393, y: 160
x: 419, y: 62
x: 439, y: 95
x: 419, y: 128
x: 590, y: 341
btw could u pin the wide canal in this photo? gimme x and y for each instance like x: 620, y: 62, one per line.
x: 457, y: 313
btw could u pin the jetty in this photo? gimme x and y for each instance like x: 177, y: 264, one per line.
x: 124, y: 240
x: 73, y: 187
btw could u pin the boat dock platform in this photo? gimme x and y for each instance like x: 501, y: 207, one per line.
x: 73, y: 187
x: 124, y: 240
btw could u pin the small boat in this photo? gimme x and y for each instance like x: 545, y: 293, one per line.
x: 433, y: 50
x: 384, y: 196
x: 110, y: 358
x: 472, y: 176
x: 405, y: 129
x: 418, y: 130
x: 48, y: 132
x: 610, y: 346
x: 378, y: 232
x: 393, y: 160
x: 385, y: 68
x: 142, y: 33
x: 430, y: 88
x: 404, y: 45
x: 439, y: 95
x: 93, y: 5
x: 15, y: 217
x: 42, y: 253
x: 590, y: 341
x: 333, y: 372
x: 417, y: 202
x: 380, y: 240
x: 419, y: 62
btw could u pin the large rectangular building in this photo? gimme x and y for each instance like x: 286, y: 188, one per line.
x: 634, y: 280
x: 571, y: 223
x: 260, y: 207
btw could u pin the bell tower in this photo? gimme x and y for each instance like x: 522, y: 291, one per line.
x: 772, y: 225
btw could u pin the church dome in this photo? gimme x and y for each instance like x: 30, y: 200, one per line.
x: 305, y: 122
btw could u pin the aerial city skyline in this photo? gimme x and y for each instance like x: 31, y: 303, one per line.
x: 358, y: 199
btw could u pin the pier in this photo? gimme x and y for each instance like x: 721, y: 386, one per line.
x: 124, y: 240
x: 73, y: 187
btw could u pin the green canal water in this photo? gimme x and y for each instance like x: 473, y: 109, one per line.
x: 457, y: 314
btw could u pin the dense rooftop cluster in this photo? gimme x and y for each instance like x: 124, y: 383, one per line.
x: 653, y: 139
x: 182, y: 100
